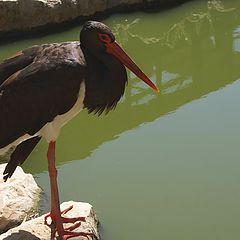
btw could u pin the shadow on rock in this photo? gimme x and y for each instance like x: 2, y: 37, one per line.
x: 21, y: 234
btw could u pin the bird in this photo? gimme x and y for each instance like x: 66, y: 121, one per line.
x: 44, y: 86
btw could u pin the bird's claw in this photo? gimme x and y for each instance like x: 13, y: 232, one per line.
x: 67, y: 232
x: 64, y: 219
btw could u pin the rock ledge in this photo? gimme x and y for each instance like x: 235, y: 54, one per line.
x: 18, y: 199
x: 24, y: 15
x: 27, y: 14
x: 35, y: 229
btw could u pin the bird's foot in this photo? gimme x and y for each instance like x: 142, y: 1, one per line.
x: 67, y: 233
x: 64, y: 219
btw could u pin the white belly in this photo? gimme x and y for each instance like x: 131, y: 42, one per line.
x: 51, y: 130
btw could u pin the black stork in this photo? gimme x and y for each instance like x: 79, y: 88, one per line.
x: 44, y: 86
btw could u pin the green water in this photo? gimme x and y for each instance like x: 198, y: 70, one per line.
x: 161, y: 166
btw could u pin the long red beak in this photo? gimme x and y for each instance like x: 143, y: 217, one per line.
x: 114, y: 49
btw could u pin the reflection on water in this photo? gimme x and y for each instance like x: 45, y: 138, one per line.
x: 190, y: 52
x: 187, y: 61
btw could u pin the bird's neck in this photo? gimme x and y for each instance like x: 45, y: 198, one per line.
x: 105, y: 81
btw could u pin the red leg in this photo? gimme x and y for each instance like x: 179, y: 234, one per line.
x: 55, y: 213
x: 55, y: 204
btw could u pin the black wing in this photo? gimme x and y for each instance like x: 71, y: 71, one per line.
x: 35, y: 95
x: 18, y: 61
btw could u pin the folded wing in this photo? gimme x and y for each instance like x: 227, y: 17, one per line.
x: 35, y: 95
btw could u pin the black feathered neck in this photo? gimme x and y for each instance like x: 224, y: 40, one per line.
x: 105, y: 81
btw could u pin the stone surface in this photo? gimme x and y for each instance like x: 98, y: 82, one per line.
x: 36, y: 229
x: 115, y: 3
x: 19, y: 197
x: 26, y: 14
x: 18, y: 15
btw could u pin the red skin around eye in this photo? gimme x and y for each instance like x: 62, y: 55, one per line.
x: 104, y: 38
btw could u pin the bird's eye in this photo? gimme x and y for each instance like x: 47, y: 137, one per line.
x: 104, y: 38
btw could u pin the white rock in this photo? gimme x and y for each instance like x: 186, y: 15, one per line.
x: 37, y: 229
x: 19, y: 196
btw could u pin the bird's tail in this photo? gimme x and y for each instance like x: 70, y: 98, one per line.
x: 19, y: 155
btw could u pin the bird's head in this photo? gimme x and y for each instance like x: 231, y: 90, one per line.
x: 97, y: 37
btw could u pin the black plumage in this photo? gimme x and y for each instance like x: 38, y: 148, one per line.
x: 43, y: 87
x: 42, y: 82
